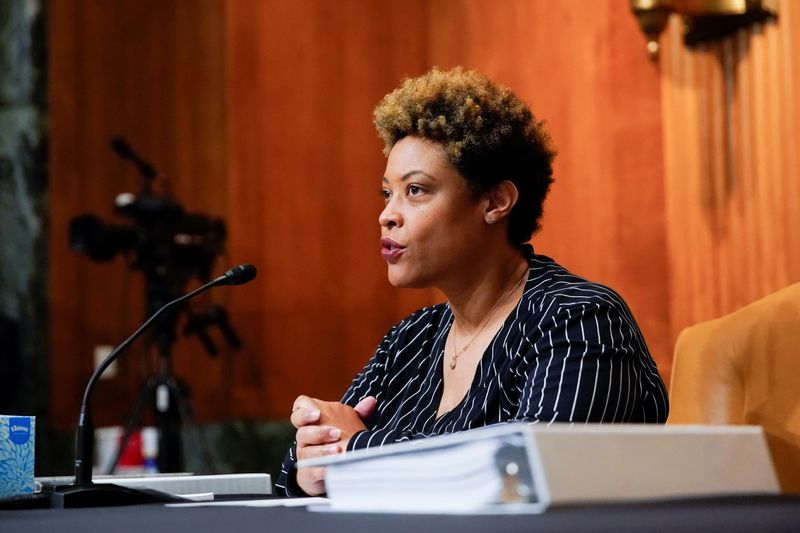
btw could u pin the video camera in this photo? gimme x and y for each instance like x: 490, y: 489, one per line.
x: 163, y: 237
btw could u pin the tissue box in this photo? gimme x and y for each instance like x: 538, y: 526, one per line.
x: 17, y: 437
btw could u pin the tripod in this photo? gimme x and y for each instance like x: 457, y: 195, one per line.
x: 168, y: 394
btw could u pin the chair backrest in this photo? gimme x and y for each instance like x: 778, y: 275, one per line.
x: 744, y: 368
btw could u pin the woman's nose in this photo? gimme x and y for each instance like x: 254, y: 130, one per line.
x: 389, y: 217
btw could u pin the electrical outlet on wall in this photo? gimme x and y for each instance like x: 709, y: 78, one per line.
x: 101, y: 351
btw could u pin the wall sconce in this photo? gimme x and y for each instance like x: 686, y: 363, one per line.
x: 704, y: 20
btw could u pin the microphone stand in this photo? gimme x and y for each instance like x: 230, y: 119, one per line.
x: 83, y: 492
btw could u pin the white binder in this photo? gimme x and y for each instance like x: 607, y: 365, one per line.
x: 522, y: 467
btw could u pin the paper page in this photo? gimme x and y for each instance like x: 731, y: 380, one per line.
x: 271, y: 502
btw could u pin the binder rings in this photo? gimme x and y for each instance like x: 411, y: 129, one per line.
x: 521, y: 467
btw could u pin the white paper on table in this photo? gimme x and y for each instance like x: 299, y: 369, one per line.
x: 272, y: 502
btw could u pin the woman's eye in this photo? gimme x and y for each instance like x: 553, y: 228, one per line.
x: 386, y: 194
x: 414, y: 190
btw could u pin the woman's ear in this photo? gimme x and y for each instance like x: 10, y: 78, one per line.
x: 500, y: 200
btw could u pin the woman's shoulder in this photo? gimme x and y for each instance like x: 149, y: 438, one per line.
x: 427, y: 315
x: 417, y: 329
x: 432, y: 316
x: 552, y: 286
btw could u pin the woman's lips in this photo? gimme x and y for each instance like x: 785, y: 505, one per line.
x: 390, y: 250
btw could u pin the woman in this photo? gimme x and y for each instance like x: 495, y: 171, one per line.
x: 520, y: 338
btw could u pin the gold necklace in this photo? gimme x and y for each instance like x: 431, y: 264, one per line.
x: 498, y: 305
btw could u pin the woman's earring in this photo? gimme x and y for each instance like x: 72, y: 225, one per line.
x: 489, y: 220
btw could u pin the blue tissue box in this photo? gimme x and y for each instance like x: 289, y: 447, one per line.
x: 17, y: 438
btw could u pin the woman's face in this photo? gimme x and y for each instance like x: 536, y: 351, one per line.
x: 432, y: 225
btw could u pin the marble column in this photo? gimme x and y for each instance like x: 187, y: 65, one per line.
x: 23, y: 209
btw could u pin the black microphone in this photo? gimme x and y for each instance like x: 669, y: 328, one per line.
x: 124, y: 150
x: 238, y: 275
x: 83, y: 493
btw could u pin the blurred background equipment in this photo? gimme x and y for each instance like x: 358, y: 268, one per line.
x: 170, y: 247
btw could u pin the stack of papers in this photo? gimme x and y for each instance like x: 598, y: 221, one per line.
x: 460, y: 476
x: 520, y: 467
x: 184, y: 485
x: 190, y: 486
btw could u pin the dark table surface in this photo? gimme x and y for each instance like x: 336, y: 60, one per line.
x: 751, y: 513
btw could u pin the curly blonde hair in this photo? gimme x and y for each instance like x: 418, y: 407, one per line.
x: 488, y: 134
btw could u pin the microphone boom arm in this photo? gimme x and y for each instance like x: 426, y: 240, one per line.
x: 84, y: 436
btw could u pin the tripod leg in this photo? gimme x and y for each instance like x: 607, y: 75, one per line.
x: 170, y: 452
x: 187, y: 417
x: 134, y: 418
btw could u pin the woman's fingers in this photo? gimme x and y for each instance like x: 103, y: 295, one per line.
x: 303, y: 402
x: 317, y: 435
x: 304, y: 416
x: 322, y: 450
x: 315, y: 440
x: 312, y: 480
x: 305, y: 411
x: 312, y: 442
x: 366, y: 407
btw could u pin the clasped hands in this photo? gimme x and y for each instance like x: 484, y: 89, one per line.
x: 325, y: 428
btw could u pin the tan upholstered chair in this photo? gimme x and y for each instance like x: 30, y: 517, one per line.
x: 744, y: 368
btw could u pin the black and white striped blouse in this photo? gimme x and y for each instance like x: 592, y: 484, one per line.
x: 570, y: 352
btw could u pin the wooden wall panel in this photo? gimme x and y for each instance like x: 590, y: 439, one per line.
x: 731, y: 168
x: 583, y: 69
x: 260, y: 111
x: 304, y: 189
x: 152, y: 72
x: 602, y: 106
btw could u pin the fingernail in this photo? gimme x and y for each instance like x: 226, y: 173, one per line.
x: 333, y: 449
x: 335, y: 433
x: 312, y: 415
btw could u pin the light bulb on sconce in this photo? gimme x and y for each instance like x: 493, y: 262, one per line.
x: 704, y: 20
